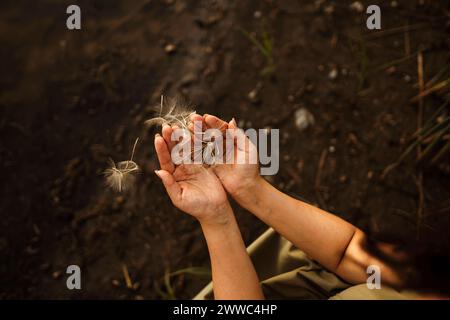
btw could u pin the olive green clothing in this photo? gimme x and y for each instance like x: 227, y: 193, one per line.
x: 286, y: 272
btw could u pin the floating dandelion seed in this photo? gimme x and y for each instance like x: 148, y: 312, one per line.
x: 176, y: 115
x: 121, y: 177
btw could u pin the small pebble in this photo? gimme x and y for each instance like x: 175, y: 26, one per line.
x: 136, y: 286
x: 391, y: 70
x: 253, y: 96
x: 329, y: 9
x: 257, y: 14
x: 115, y: 283
x: 303, y: 119
x: 357, y: 6
x: 170, y: 48
x: 332, y: 75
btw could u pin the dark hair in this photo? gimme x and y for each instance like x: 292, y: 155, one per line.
x: 422, y: 264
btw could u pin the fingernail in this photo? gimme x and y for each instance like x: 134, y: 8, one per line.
x: 157, y: 173
x: 157, y: 135
x: 234, y: 122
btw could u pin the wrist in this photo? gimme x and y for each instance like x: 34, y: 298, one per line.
x: 247, y: 193
x: 221, y: 230
x: 222, y: 216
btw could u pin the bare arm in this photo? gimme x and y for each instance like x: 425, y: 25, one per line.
x: 326, y: 238
x: 233, y: 274
x: 197, y: 191
x: 322, y: 236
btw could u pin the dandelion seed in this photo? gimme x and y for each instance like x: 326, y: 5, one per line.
x: 176, y: 115
x: 180, y: 116
x: 121, y: 177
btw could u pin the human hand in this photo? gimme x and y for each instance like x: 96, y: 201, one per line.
x: 239, y: 179
x: 193, y: 188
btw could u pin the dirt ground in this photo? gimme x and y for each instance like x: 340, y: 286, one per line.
x: 70, y: 100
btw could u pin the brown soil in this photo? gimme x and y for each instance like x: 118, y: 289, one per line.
x: 71, y: 99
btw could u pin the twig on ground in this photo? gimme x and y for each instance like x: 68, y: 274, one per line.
x: 126, y: 275
x: 317, y: 186
x: 393, y: 31
x: 407, y: 41
x: 419, y: 182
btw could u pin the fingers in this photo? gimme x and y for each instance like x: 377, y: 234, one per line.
x: 232, y: 124
x: 165, y: 161
x: 167, y: 134
x: 237, y: 134
x: 214, y: 122
x: 197, y: 125
x: 243, y: 143
x: 196, y: 118
x: 172, y: 187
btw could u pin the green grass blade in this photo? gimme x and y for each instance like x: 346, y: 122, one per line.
x: 256, y: 43
x: 202, y: 272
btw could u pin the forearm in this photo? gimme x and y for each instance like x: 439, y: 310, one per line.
x: 233, y: 274
x: 321, y: 235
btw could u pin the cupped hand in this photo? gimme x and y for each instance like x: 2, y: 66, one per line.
x: 193, y: 188
x: 238, y: 178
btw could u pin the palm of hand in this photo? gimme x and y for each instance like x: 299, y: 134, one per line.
x: 201, y: 191
x: 191, y: 187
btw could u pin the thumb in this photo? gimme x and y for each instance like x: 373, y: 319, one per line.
x: 240, y: 138
x: 234, y: 128
x: 232, y: 124
x: 172, y: 187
